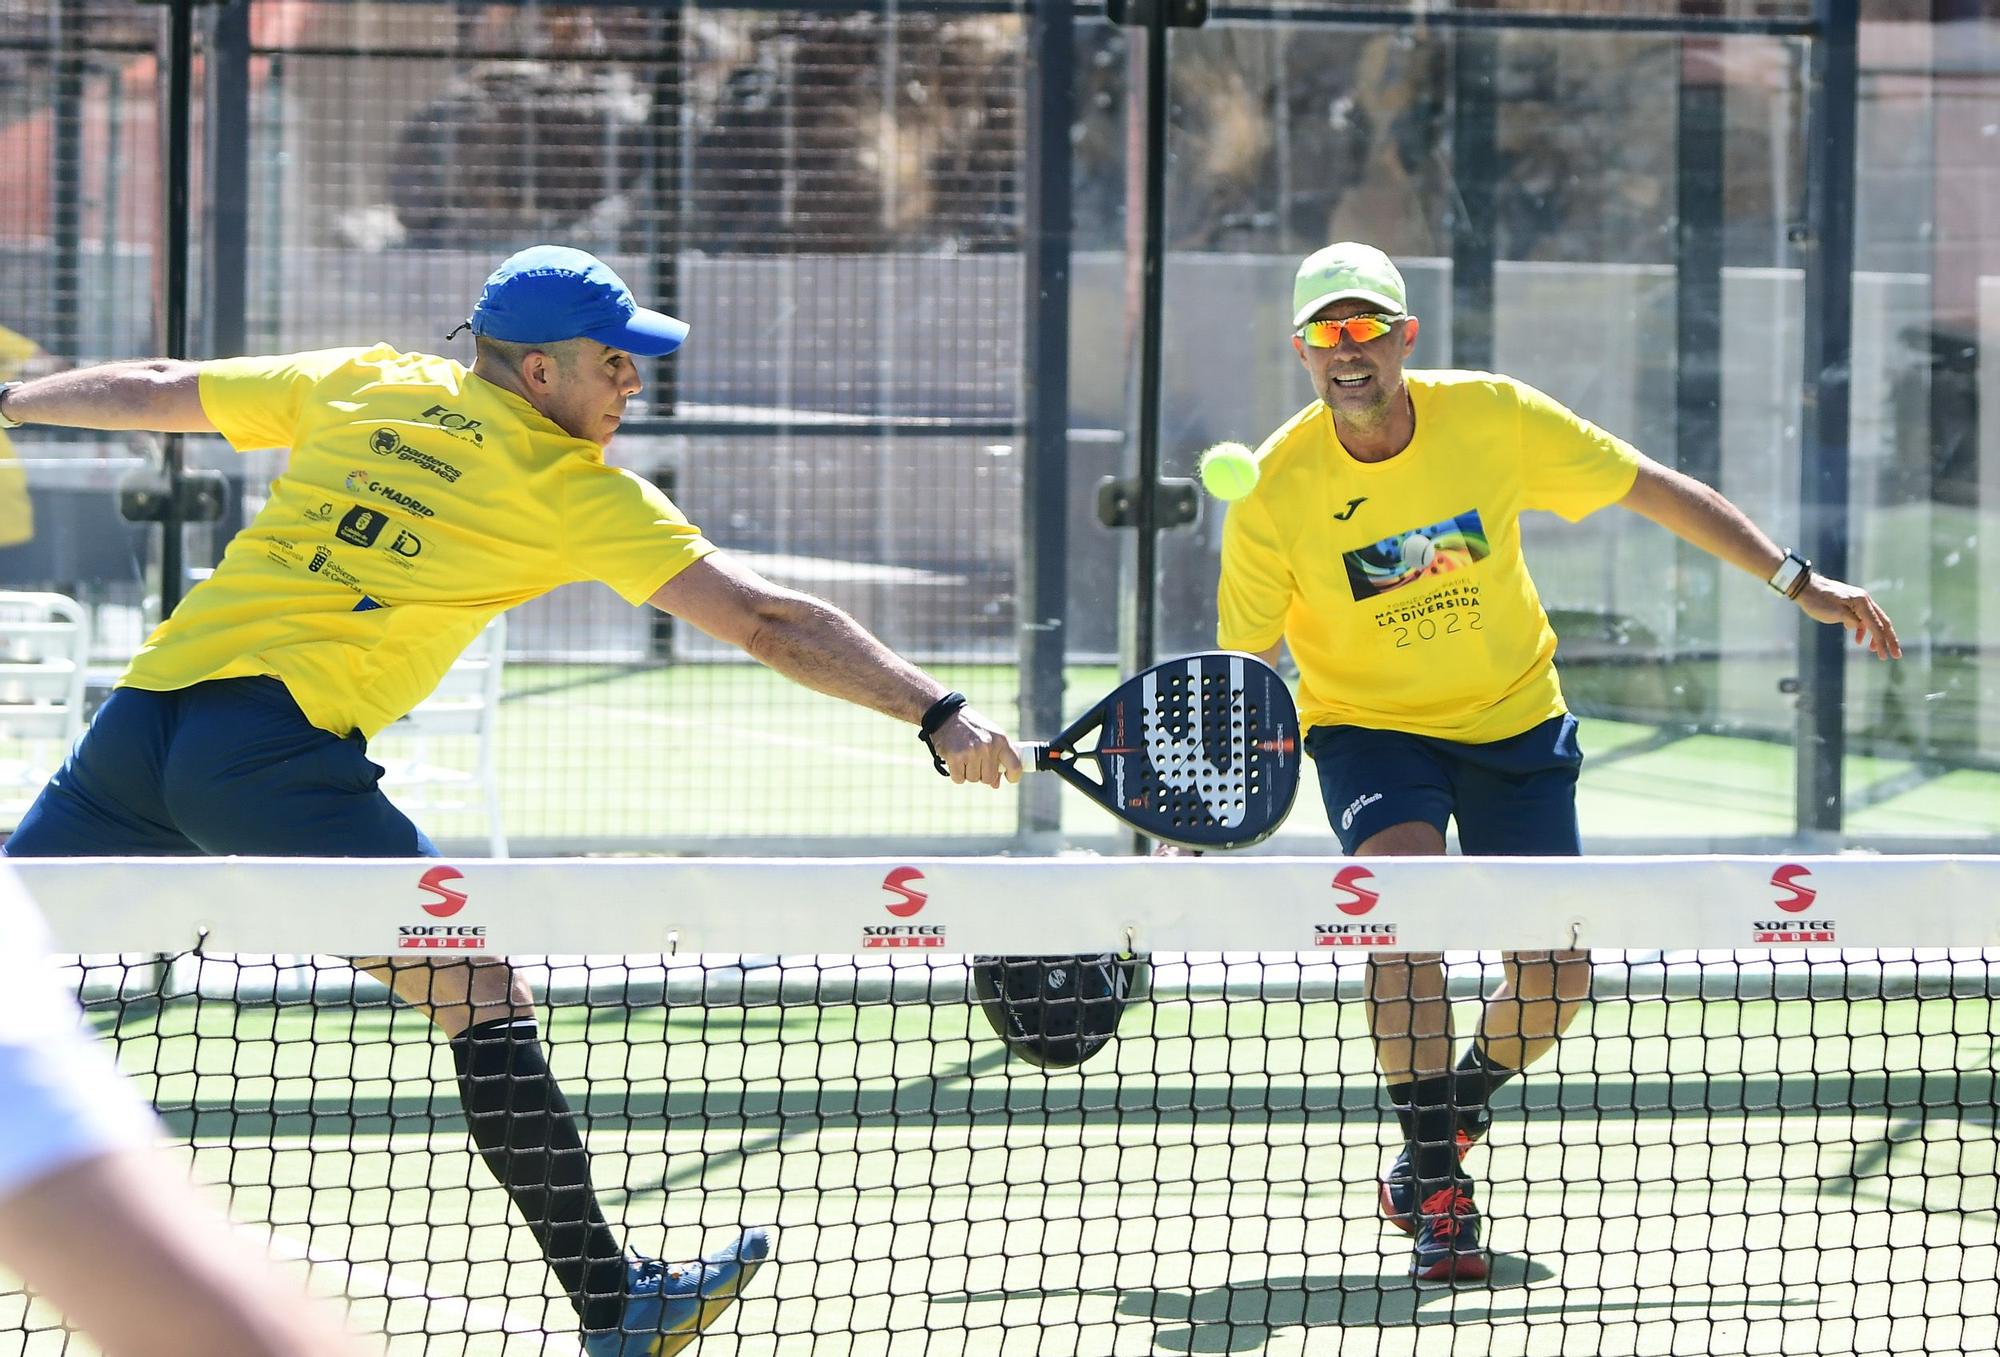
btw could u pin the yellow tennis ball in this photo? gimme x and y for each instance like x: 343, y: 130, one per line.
x: 1229, y: 471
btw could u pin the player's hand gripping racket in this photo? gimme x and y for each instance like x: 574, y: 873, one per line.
x: 1201, y: 751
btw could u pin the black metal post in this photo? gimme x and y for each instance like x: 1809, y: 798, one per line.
x: 1698, y: 324
x: 1957, y: 405
x: 667, y: 221
x: 1827, y: 251
x: 66, y: 303
x: 226, y: 186
x: 663, y: 231
x: 1045, y: 279
x: 1475, y: 174
x: 176, y: 198
x: 225, y: 270
x: 1138, y: 617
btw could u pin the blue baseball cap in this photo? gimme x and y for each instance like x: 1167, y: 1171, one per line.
x: 548, y: 293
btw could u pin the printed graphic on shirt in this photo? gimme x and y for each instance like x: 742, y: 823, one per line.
x: 361, y: 526
x: 389, y: 443
x: 1404, y: 558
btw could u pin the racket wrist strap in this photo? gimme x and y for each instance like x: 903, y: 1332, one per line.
x: 938, y: 713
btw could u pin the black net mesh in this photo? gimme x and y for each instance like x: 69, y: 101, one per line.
x: 1723, y: 1155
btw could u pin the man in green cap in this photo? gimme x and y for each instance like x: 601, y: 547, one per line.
x: 1382, y: 542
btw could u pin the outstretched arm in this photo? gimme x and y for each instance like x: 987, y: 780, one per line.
x: 1698, y: 514
x: 811, y: 642
x: 162, y: 395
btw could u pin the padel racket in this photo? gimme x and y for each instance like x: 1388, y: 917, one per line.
x: 1055, y: 1012
x: 1200, y: 751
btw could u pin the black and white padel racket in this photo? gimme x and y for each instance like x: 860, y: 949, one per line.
x: 1201, y: 751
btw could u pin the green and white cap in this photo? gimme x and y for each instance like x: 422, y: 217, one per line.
x: 1347, y: 269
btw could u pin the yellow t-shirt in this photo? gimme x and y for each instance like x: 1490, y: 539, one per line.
x: 1400, y: 585
x: 418, y: 502
x: 17, y: 512
x: 17, y: 515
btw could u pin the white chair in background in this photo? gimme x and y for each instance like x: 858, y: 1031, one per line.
x: 466, y: 703
x: 44, y: 655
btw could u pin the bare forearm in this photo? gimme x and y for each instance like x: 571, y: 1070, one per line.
x: 1702, y: 517
x: 814, y: 643
x: 158, y: 394
x: 1696, y: 514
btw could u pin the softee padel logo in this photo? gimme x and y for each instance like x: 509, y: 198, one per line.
x: 1794, y: 897
x: 1354, y: 899
x: 444, y: 900
x: 908, y: 902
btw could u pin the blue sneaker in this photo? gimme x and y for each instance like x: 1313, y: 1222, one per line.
x: 1448, y: 1248
x: 1398, y: 1189
x: 667, y: 1305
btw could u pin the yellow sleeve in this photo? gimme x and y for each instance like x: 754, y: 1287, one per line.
x: 620, y: 528
x: 257, y: 402
x: 15, y: 350
x: 1256, y: 586
x: 17, y: 511
x: 1569, y: 465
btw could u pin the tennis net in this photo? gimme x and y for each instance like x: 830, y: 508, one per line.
x: 1771, y: 1128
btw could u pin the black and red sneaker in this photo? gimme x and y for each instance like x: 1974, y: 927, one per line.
x: 1398, y: 1187
x: 1448, y: 1249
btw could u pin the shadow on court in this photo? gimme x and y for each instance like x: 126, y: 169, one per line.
x: 1242, y: 1316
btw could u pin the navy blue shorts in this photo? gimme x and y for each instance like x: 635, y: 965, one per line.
x: 1511, y: 798
x: 226, y: 767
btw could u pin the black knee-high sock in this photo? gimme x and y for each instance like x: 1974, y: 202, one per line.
x: 1424, y: 1109
x: 1474, y: 1083
x: 1403, y: 1103
x: 528, y: 1138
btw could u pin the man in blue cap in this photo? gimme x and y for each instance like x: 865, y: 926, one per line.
x: 420, y: 499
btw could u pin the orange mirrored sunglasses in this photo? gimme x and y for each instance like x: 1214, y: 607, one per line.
x: 1325, y: 334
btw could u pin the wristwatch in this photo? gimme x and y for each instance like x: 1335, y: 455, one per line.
x: 6, y: 388
x: 1792, y: 574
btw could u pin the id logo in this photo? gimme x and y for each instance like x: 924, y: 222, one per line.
x: 1359, y: 900
x: 445, y: 901
x: 907, y: 904
x: 1794, y: 897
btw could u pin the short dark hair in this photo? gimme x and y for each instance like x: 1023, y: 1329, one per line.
x: 509, y: 354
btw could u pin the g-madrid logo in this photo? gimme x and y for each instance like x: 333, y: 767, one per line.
x: 1798, y: 897
x: 908, y: 899
x: 1349, y: 879
x: 450, y: 900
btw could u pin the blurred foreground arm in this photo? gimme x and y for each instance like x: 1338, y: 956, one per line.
x: 92, y: 1218
x: 121, y: 1245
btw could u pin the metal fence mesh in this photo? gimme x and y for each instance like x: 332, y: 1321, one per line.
x: 840, y: 200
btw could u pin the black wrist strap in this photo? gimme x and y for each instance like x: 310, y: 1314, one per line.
x: 938, y: 713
